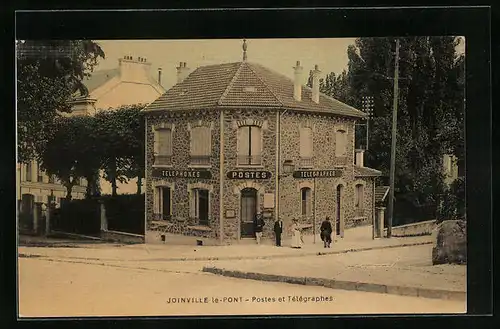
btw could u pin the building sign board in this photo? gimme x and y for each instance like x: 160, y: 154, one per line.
x: 329, y: 173
x: 249, y: 174
x: 187, y: 173
x: 268, y: 200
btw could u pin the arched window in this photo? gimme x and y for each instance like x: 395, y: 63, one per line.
x: 249, y: 145
x: 340, y: 143
x: 359, y: 196
x: 305, y: 194
x: 200, y: 145
x: 163, y: 203
x: 29, y: 172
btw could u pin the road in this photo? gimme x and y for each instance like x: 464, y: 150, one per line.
x: 59, y: 288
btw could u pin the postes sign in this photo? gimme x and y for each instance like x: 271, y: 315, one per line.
x: 249, y: 174
x: 317, y: 173
x: 175, y: 173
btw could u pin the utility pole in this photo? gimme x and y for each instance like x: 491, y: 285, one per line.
x: 393, y: 144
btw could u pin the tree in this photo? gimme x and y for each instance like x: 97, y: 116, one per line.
x: 121, y: 132
x: 68, y: 153
x: 49, y: 73
x: 430, y: 111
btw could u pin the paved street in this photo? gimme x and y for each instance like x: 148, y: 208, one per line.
x: 60, y: 288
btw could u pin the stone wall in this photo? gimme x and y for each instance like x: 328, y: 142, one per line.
x: 181, y: 222
x: 232, y: 187
x: 324, y: 158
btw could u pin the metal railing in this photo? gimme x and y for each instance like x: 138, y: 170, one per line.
x: 200, y: 160
x: 163, y: 160
x: 249, y: 160
x: 157, y: 216
x: 306, y: 162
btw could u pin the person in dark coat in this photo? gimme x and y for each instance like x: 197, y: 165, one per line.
x: 326, y: 232
x: 258, y: 226
x: 278, y: 230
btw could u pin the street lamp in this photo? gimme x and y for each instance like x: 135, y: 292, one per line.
x: 288, y: 168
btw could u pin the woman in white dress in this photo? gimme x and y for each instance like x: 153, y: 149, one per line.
x: 296, y: 234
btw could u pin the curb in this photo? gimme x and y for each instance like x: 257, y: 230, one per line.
x: 342, y: 285
x: 183, y: 259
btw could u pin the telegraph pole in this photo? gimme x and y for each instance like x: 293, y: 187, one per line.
x: 393, y: 144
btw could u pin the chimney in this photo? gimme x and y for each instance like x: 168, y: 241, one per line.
x: 360, y: 154
x: 297, y: 84
x: 134, y: 69
x: 182, y: 71
x: 159, y: 76
x: 315, y: 84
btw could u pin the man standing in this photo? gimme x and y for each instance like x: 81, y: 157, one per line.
x: 258, y: 226
x: 278, y: 229
x: 326, y: 232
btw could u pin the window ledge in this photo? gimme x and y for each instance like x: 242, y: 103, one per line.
x: 195, y: 166
x: 162, y: 166
x: 250, y: 166
x: 200, y: 228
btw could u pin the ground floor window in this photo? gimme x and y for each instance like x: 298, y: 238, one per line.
x: 163, y: 203
x: 200, y: 205
x: 306, y: 201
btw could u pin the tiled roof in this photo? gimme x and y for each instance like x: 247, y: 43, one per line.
x: 243, y: 84
x: 381, y: 193
x: 366, y: 172
x: 99, y: 78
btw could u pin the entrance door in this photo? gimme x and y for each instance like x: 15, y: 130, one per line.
x: 203, y: 206
x: 248, y: 211
x: 339, y: 210
x: 165, y: 203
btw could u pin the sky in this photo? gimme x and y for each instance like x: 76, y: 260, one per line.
x: 278, y: 54
x: 330, y: 54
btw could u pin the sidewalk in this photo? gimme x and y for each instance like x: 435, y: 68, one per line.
x: 402, y: 271
x: 358, y: 239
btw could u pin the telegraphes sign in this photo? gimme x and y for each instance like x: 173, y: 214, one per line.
x: 249, y: 174
x: 174, y: 173
x: 317, y: 173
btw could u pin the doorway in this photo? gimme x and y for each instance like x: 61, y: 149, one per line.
x: 166, y: 210
x: 338, y: 218
x: 203, y: 206
x: 247, y: 212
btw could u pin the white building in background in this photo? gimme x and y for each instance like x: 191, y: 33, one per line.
x: 132, y: 82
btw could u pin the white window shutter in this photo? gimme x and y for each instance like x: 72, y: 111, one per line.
x: 256, y: 140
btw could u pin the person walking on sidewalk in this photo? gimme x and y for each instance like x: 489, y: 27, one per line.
x: 258, y: 226
x: 326, y: 232
x: 278, y: 229
x: 296, y: 234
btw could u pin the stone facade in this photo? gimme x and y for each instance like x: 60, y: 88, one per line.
x: 324, y: 190
x: 181, y: 222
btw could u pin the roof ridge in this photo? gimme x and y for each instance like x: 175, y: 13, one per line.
x: 334, y: 99
x: 267, y: 86
x: 233, y: 79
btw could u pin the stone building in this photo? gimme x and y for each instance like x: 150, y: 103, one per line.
x: 132, y: 82
x: 232, y: 139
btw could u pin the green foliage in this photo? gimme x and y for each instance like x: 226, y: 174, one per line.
x: 46, y: 83
x: 452, y: 205
x: 430, y: 107
x: 121, y: 133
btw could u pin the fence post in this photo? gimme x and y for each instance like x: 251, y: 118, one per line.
x: 36, y: 216
x: 104, y: 221
x: 380, y: 222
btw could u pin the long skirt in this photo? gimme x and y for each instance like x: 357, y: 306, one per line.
x: 326, y: 236
x: 296, y: 240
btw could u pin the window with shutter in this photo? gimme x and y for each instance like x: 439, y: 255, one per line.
x: 201, y: 146
x: 249, y: 145
x: 306, y: 201
x: 163, y: 147
x: 306, y: 147
x: 340, y: 143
